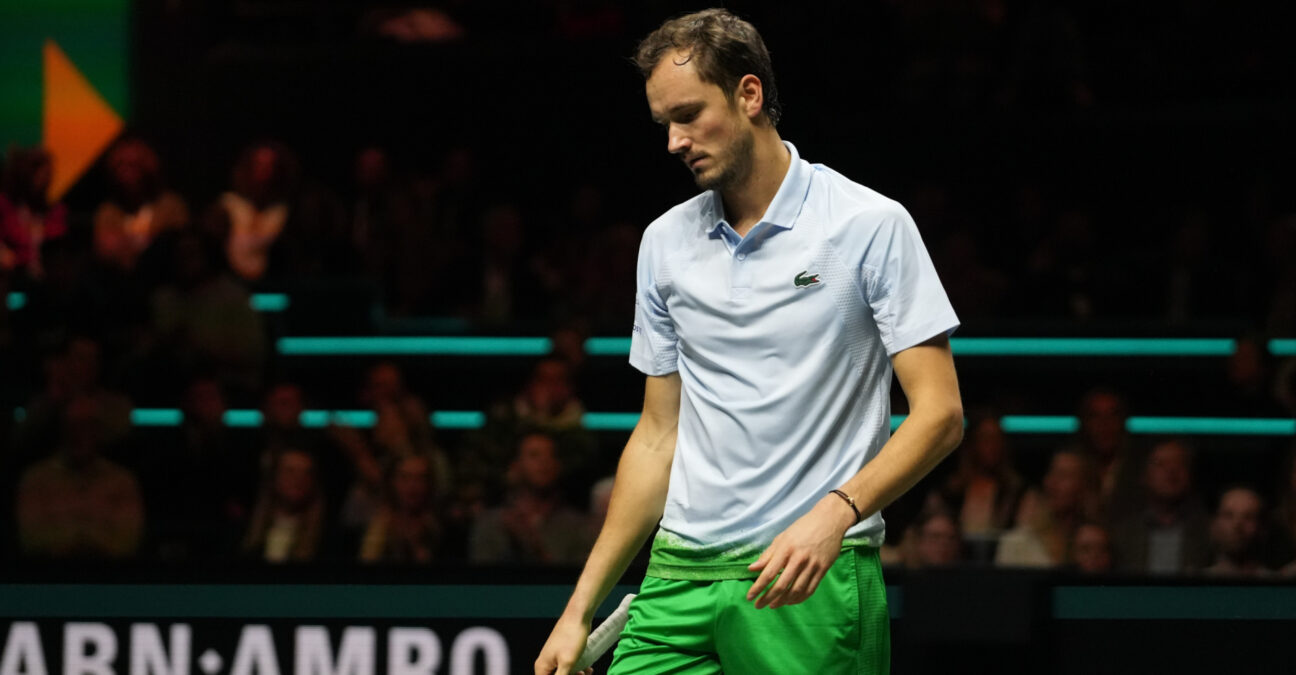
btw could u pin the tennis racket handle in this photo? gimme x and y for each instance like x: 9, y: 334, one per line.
x: 603, y: 637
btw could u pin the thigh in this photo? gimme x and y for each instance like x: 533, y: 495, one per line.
x: 669, y: 630
x: 843, y: 629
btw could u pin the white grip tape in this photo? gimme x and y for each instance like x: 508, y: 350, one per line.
x: 605, y: 635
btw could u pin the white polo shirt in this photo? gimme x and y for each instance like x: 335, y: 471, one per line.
x: 782, y: 340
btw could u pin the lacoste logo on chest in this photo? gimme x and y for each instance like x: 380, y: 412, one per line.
x: 803, y: 279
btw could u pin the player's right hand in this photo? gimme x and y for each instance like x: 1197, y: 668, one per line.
x: 563, y: 647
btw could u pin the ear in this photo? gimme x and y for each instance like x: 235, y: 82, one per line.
x: 750, y: 96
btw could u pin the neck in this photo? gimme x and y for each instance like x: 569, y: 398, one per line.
x: 746, y: 202
x: 1165, y: 513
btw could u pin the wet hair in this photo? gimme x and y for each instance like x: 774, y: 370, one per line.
x: 723, y: 48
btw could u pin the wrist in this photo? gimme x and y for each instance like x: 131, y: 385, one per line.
x: 843, y: 517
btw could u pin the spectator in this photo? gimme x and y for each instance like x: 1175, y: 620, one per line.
x: 71, y: 372
x: 533, y: 526
x: 27, y: 218
x: 548, y: 399
x: 1047, y: 519
x: 1091, y: 550
x: 271, y: 226
x: 510, y: 283
x: 985, y: 491
x: 377, y: 210
x: 1248, y: 387
x: 467, y: 503
x: 282, y: 408
x: 1104, y: 439
x: 1170, y: 535
x: 936, y: 541
x: 203, y: 320
x: 138, y: 208
x: 403, y: 427
x: 407, y: 529
x: 1236, y: 534
x: 288, y: 521
x: 76, y: 504
x: 251, y: 217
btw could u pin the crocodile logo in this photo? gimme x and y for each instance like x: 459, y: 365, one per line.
x: 802, y: 280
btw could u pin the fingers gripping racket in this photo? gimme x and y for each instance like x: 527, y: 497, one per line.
x: 603, y: 637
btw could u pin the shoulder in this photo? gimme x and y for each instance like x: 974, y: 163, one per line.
x: 674, y: 233
x: 851, y: 213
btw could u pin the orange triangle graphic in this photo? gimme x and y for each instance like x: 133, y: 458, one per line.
x: 78, y: 124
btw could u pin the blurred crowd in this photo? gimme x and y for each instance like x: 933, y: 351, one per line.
x: 145, y: 302
x: 1107, y: 502
x: 136, y: 293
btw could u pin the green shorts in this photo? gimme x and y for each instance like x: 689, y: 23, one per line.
x: 699, y: 627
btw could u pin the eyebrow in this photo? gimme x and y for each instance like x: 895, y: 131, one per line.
x: 676, y: 108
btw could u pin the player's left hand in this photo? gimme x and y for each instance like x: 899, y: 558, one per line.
x: 800, y: 555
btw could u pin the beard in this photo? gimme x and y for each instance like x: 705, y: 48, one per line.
x: 741, y: 157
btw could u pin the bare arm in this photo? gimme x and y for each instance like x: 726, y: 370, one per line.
x: 804, y: 552
x: 638, y: 498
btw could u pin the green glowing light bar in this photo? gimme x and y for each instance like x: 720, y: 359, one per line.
x: 610, y: 421
x: 1039, y: 424
x: 16, y: 301
x: 625, y: 421
x: 1093, y: 346
x: 1231, y: 426
x: 156, y: 417
x: 458, y: 419
x: 618, y: 346
x: 1283, y: 347
x: 386, y: 346
x: 243, y: 418
x: 269, y: 302
x: 607, y: 346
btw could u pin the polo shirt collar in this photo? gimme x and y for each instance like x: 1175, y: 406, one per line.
x: 786, y: 205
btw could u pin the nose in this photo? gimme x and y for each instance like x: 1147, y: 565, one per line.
x: 676, y: 142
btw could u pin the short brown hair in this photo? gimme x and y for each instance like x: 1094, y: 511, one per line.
x: 724, y: 49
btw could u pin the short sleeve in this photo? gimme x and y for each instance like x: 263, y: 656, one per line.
x: 901, y: 286
x: 652, y: 341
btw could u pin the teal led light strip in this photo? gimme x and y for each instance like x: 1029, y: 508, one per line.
x: 607, y: 346
x: 1169, y: 602
x: 1231, y: 426
x: 1283, y: 347
x: 270, y: 302
x: 458, y: 419
x: 382, y: 346
x: 610, y: 421
x: 612, y: 346
x: 626, y: 421
x: 156, y: 417
x: 1093, y: 346
x: 261, y: 302
x: 1039, y: 424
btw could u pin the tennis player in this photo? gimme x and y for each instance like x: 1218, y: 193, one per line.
x: 770, y: 314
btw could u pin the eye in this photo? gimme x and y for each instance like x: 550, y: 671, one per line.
x: 688, y: 116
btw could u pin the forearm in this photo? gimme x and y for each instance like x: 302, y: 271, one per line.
x: 638, y: 498
x: 924, y: 439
